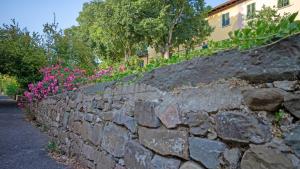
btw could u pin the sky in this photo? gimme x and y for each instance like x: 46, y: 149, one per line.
x: 32, y: 14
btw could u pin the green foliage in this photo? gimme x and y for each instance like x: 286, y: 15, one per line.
x: 266, y: 27
x: 166, y: 25
x: 52, y: 147
x: 21, y: 54
x: 67, y: 48
x: 279, y: 116
x: 9, y: 85
x: 121, y: 28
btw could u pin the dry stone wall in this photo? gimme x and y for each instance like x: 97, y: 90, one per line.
x: 226, y: 124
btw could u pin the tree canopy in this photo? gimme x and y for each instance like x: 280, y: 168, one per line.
x: 21, y: 54
x: 123, y: 27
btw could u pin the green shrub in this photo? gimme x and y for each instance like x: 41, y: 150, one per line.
x: 266, y: 27
x: 12, y: 89
x: 53, y: 147
x: 9, y: 85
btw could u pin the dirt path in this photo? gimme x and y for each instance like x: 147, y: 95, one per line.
x: 21, y: 145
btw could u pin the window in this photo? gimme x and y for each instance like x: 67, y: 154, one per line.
x: 283, y: 3
x: 225, y: 19
x: 251, y: 11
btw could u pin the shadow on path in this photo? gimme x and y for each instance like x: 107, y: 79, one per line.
x: 21, y: 145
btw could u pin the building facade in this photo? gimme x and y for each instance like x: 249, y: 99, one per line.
x: 233, y: 14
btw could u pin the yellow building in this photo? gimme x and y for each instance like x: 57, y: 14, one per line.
x: 233, y: 14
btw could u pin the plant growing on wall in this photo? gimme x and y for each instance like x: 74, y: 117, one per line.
x: 266, y: 27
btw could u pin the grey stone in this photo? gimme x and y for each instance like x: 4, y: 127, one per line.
x: 286, y: 85
x: 136, y: 156
x: 121, y: 161
x: 277, y: 62
x: 66, y: 120
x: 232, y: 157
x: 87, y: 163
x: 278, y: 143
x: 293, y: 139
x: 239, y: 127
x: 262, y: 157
x: 89, y: 152
x: 195, y: 119
x: 98, y: 104
x: 108, y: 116
x: 190, y: 165
x: 92, y: 133
x: 144, y: 112
x: 114, y: 139
x: 160, y: 162
x: 76, y: 127
x: 205, y: 151
x: 293, y: 106
x: 165, y: 142
x: 200, y: 130
x: 89, y: 117
x: 168, y: 113
x: 119, y: 167
x: 266, y: 99
x: 104, y: 161
x: 76, y: 116
x: 76, y: 145
x: 121, y: 118
x: 211, y: 98
x: 295, y: 161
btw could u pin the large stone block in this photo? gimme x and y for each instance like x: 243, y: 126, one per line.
x: 114, y: 139
x: 136, y: 156
x: 92, y: 133
x: 76, y: 127
x: 76, y: 145
x: 293, y: 139
x: 207, y: 152
x: 165, y: 142
x: 262, y: 157
x: 232, y: 157
x: 160, y: 162
x: 239, y: 127
x: 266, y: 99
x: 210, y: 98
x: 104, y: 161
x: 286, y: 85
x: 144, y: 112
x: 293, y: 106
x: 89, y: 152
x: 168, y: 112
x: 120, y: 117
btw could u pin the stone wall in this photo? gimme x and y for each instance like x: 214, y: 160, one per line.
x: 226, y: 124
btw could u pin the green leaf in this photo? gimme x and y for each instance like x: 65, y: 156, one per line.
x: 293, y: 17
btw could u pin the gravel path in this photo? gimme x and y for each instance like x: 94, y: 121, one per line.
x: 21, y: 145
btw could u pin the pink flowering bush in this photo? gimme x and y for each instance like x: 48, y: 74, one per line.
x: 100, y: 73
x: 56, y: 79
x: 59, y: 79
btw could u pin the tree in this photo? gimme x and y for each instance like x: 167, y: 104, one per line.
x: 21, y: 54
x: 67, y: 47
x: 167, y: 24
x: 111, y: 24
x: 123, y: 27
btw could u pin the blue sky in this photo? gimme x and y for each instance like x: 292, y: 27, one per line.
x: 34, y: 13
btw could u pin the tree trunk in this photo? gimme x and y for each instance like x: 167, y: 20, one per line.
x: 126, y: 56
x: 167, y: 52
